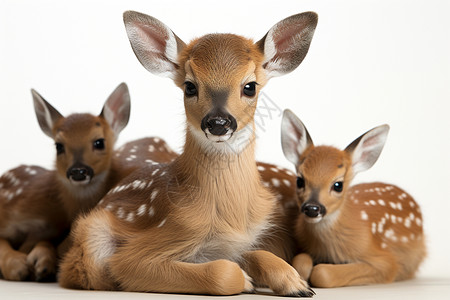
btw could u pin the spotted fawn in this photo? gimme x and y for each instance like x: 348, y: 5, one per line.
x: 37, y: 205
x: 354, y: 235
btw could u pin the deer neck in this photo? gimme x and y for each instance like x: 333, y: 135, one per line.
x: 82, y: 198
x: 220, y: 177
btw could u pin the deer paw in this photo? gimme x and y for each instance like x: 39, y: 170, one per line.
x: 248, y: 286
x: 43, y: 262
x: 290, y: 283
x: 14, y: 267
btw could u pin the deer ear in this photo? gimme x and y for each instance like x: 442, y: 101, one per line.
x: 366, y: 149
x: 295, y: 138
x: 46, y: 114
x: 116, y: 110
x: 287, y: 43
x: 154, y: 44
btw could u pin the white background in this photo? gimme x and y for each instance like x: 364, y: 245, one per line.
x: 370, y: 62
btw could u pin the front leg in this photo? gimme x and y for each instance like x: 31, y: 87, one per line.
x: 330, y: 275
x: 269, y: 270
x: 13, y: 264
x: 42, y: 259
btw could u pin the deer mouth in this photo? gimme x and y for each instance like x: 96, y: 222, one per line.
x: 218, y: 138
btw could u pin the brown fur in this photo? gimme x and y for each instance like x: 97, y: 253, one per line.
x: 352, y: 245
x: 193, y: 225
x: 39, y: 205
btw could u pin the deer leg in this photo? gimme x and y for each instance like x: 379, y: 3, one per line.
x: 42, y: 259
x: 330, y: 275
x: 13, y: 264
x: 219, y: 277
x: 269, y: 270
x: 303, y: 263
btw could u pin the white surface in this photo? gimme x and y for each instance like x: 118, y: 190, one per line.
x: 370, y: 62
x: 421, y: 288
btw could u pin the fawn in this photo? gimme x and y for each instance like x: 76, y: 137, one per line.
x: 355, y: 235
x: 38, y: 205
x: 194, y: 225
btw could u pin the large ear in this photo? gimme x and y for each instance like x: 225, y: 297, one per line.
x: 286, y: 44
x: 46, y: 114
x: 295, y: 138
x: 154, y: 44
x: 366, y: 149
x: 116, y: 110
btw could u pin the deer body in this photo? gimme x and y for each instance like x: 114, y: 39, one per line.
x: 39, y: 205
x: 355, y: 235
x: 194, y: 225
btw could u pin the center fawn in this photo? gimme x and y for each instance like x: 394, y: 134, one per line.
x: 355, y: 235
x: 38, y: 205
x: 194, y: 225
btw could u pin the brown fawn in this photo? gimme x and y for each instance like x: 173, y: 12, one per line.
x: 195, y: 225
x: 37, y: 205
x: 354, y: 235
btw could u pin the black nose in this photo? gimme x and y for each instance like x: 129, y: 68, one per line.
x: 218, y: 124
x: 79, y: 172
x: 311, y: 210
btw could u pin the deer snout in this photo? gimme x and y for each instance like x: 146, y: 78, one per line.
x: 313, y: 211
x: 80, y: 173
x: 219, y: 126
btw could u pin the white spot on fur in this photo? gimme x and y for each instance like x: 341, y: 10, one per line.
x: 381, y: 202
x: 141, y: 210
x: 156, y: 140
x: 120, y: 213
x: 373, y: 202
x: 130, y: 217
x: 154, y: 194
x: 275, y: 182
x: 151, y: 211
x: 273, y: 169
x: 266, y: 184
x: 151, y: 148
x: 374, y: 227
x: 393, y: 205
x: 380, y: 227
x: 393, y: 219
x: 418, y: 222
x: 155, y: 171
x: 162, y: 223
x: 364, y: 216
x: 287, y: 182
x: 404, y: 239
x: 407, y: 223
x: 261, y: 168
x: 383, y: 245
x: 412, y: 204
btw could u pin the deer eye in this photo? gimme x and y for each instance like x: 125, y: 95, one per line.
x: 189, y: 89
x: 338, y: 186
x: 300, y: 182
x: 99, y: 144
x: 59, y: 148
x: 250, y: 89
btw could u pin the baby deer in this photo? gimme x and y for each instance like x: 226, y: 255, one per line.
x: 195, y: 225
x: 37, y: 205
x: 368, y: 233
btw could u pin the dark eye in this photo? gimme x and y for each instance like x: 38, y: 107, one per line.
x: 99, y: 144
x: 338, y: 186
x: 300, y: 182
x: 250, y: 89
x: 189, y: 89
x: 59, y: 148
